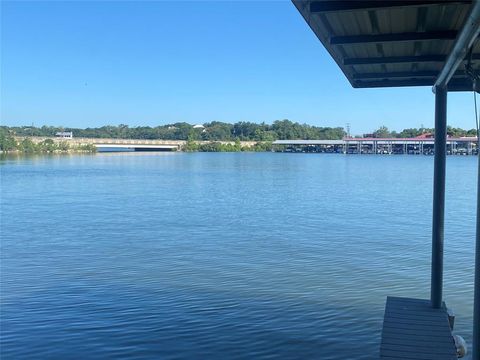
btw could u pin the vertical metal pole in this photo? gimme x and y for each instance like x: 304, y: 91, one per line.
x: 439, y: 196
x: 476, y: 295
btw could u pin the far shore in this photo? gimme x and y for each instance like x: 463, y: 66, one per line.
x: 59, y: 145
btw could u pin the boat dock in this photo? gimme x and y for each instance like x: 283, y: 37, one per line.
x: 413, y: 330
x: 397, y: 146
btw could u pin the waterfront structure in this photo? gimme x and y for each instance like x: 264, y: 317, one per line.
x: 134, y: 147
x: 412, y: 43
x: 406, y: 146
x: 64, y: 134
x: 199, y: 126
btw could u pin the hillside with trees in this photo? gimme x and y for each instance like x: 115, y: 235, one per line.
x: 212, y: 131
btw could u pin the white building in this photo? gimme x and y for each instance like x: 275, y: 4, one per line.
x: 64, y: 134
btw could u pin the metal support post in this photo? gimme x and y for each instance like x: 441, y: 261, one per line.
x: 439, y: 196
x: 476, y: 295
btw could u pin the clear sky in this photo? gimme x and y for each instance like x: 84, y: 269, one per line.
x: 86, y: 64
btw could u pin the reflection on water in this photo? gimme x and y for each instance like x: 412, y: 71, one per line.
x: 174, y: 255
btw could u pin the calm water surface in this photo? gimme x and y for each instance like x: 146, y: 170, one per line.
x: 222, y: 256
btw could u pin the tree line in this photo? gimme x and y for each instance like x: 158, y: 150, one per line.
x: 384, y: 132
x: 263, y: 134
x: 9, y: 143
x: 221, y: 131
x: 212, y: 146
x: 212, y: 131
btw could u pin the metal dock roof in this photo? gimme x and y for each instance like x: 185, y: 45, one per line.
x: 390, y: 43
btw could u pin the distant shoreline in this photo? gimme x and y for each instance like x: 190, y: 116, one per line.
x: 380, y: 146
x: 58, y: 145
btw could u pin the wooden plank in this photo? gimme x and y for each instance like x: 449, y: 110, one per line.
x: 431, y: 349
x: 411, y: 354
x: 392, y: 331
x: 424, y: 320
x: 424, y: 338
x: 411, y: 312
x: 403, y: 300
x: 408, y: 334
x: 412, y: 329
x: 421, y: 327
x: 420, y: 343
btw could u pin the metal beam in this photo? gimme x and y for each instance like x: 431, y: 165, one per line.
x: 380, y: 38
x: 401, y: 74
x: 400, y: 59
x: 393, y: 60
x: 454, y: 85
x: 476, y: 296
x: 336, y: 6
x: 392, y: 83
x: 463, y: 43
x: 439, y: 197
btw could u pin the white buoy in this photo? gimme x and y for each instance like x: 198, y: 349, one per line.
x: 461, y: 346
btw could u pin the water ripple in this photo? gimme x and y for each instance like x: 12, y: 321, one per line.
x: 238, y: 256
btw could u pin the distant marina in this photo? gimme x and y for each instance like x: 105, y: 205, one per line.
x: 388, y: 146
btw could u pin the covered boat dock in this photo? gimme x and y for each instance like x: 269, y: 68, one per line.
x: 404, y: 146
x: 411, y: 43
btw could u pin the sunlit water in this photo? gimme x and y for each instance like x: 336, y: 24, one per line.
x: 222, y: 256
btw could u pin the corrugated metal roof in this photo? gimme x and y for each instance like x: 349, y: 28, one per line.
x: 391, y: 43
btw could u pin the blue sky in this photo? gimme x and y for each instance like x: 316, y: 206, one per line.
x: 85, y: 64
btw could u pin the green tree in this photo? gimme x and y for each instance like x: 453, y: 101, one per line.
x: 263, y: 146
x: 28, y: 146
x: 238, y: 145
x: 63, y: 146
x: 382, y: 132
x: 7, y: 141
x: 47, y: 145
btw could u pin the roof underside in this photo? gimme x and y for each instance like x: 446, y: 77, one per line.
x: 391, y: 43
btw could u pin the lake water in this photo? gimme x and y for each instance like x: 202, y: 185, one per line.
x: 222, y: 255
